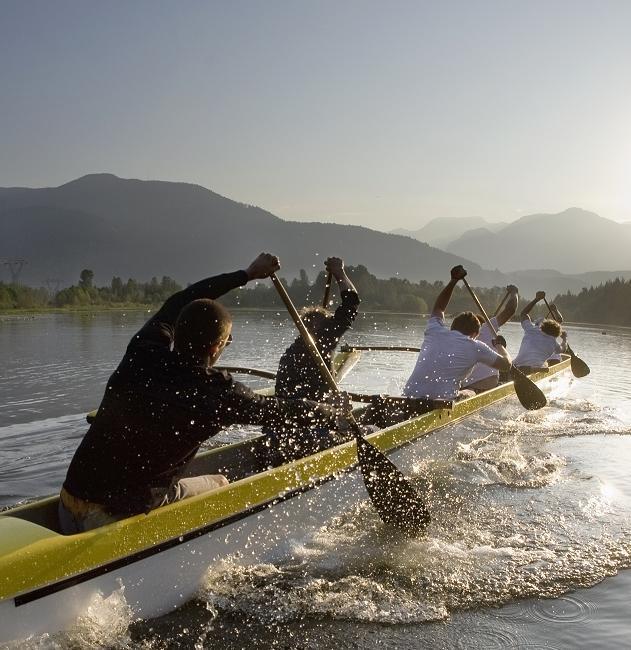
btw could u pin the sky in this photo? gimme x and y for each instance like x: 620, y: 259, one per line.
x: 384, y: 114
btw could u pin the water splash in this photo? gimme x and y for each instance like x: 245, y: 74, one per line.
x: 105, y: 623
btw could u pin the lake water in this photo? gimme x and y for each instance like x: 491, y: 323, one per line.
x: 532, y: 510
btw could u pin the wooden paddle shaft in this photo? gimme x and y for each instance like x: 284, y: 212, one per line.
x: 306, y: 335
x: 238, y: 370
x: 327, y: 289
x: 550, y: 310
x: 266, y: 374
x: 479, y: 304
x: 379, y: 348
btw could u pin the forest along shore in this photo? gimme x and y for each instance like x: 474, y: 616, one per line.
x: 606, y: 305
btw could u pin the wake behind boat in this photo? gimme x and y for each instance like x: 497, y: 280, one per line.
x: 157, y: 561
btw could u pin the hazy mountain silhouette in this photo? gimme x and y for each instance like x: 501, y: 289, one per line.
x: 442, y: 231
x: 573, y: 241
x: 134, y: 228
x: 139, y: 229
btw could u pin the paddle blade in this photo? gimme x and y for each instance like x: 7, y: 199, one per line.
x: 579, y: 367
x: 528, y: 393
x: 396, y: 501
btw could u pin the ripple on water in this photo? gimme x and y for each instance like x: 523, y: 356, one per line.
x: 490, y: 638
x: 565, y: 609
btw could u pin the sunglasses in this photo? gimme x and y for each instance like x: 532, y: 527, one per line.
x: 228, y: 340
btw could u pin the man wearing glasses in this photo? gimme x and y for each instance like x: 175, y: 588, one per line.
x: 165, y: 399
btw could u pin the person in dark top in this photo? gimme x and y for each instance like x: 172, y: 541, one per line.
x: 162, y: 402
x: 298, y: 376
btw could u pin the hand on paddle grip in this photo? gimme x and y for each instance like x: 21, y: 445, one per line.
x: 263, y: 266
x: 458, y: 272
x: 335, y: 266
x: 511, y: 288
x: 540, y: 295
x: 499, y: 340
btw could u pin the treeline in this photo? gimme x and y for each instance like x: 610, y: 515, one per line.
x: 608, y: 303
x: 85, y: 294
x: 392, y: 295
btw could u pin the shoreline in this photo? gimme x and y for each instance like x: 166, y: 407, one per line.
x: 92, y: 309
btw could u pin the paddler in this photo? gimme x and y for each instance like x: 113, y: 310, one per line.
x: 558, y: 317
x: 163, y: 401
x: 484, y: 377
x: 539, y: 342
x: 448, y: 354
x: 299, y: 377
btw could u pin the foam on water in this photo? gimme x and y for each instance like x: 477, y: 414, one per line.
x: 511, y: 520
x: 105, y: 624
x: 479, y: 551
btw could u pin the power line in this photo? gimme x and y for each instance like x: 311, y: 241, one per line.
x: 15, y: 268
x: 52, y: 284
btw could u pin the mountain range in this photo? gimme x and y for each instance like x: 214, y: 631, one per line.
x: 574, y: 241
x: 140, y: 229
x: 440, y: 232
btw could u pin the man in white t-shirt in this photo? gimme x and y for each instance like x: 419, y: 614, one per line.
x: 448, y: 355
x: 556, y: 314
x: 539, y: 342
x: 485, y: 377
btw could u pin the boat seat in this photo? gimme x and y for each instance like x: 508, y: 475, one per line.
x: 16, y: 533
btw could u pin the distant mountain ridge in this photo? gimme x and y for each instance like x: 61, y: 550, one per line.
x: 442, y: 231
x: 140, y: 229
x: 134, y: 228
x: 573, y: 241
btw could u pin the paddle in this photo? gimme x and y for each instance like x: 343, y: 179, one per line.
x: 395, y: 499
x: 356, y: 397
x: 379, y: 348
x: 528, y: 393
x: 327, y: 289
x: 266, y: 374
x: 238, y: 370
x: 578, y: 366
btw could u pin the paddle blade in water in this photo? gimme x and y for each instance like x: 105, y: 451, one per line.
x: 394, y: 498
x: 579, y: 367
x: 528, y: 393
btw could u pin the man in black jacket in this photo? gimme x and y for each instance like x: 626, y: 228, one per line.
x: 162, y: 402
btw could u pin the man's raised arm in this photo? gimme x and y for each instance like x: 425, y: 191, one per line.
x: 159, y: 328
x: 540, y: 295
x: 457, y: 273
x: 335, y: 266
x: 509, y: 309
